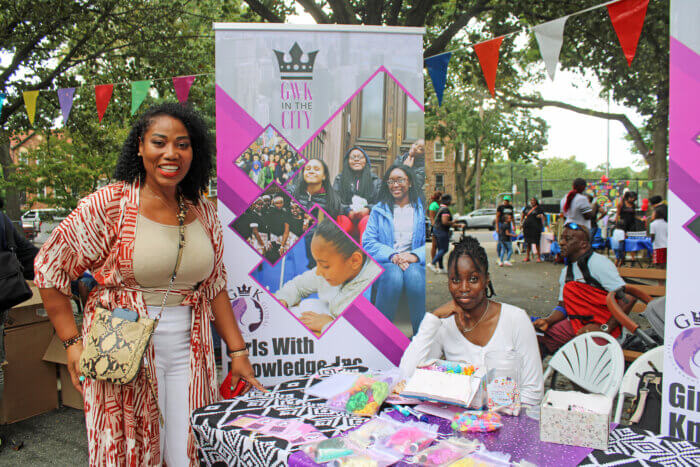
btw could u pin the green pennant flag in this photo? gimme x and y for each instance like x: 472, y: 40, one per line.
x: 139, y: 91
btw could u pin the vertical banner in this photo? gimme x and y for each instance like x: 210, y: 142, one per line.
x: 324, y: 237
x: 681, y: 404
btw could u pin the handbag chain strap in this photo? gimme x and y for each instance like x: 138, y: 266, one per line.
x: 182, y: 213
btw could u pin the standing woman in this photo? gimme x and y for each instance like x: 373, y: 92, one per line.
x: 357, y: 188
x: 626, y: 220
x: 127, y: 234
x: 395, y: 237
x: 533, y: 223
x: 441, y: 231
x: 432, y: 210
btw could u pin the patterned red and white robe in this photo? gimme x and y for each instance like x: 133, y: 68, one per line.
x: 122, y: 420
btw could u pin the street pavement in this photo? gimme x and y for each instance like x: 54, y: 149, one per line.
x: 59, y: 438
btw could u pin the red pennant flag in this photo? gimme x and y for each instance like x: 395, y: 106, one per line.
x: 627, y: 17
x: 103, y: 94
x: 182, y: 86
x: 488, y: 59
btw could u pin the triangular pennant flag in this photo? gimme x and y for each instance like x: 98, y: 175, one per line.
x: 437, y: 70
x: 550, y: 36
x: 139, y: 91
x: 627, y: 17
x: 2, y: 101
x: 103, y: 94
x: 65, y: 100
x: 30, y: 104
x: 182, y: 85
x: 488, y: 59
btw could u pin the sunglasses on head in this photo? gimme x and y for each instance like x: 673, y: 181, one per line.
x: 573, y: 226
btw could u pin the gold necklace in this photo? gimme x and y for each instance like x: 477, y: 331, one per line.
x: 157, y: 196
x: 480, y: 319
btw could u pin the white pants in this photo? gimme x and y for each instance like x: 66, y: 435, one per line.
x: 171, y: 341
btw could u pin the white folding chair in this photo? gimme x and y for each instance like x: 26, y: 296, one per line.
x: 630, y: 381
x: 596, y: 368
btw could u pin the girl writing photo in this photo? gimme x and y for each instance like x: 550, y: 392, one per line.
x: 342, y: 272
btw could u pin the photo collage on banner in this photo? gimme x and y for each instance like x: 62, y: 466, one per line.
x: 320, y: 161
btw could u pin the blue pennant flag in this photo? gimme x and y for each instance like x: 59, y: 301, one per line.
x: 437, y: 69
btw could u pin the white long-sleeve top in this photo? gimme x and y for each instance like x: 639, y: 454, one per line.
x: 514, y: 332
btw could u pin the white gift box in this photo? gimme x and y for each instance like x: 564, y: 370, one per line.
x: 575, y: 418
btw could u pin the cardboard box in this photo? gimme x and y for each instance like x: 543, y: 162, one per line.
x: 576, y: 419
x: 28, y: 312
x: 55, y: 353
x: 30, y: 382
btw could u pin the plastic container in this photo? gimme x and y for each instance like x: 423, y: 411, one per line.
x: 503, y: 381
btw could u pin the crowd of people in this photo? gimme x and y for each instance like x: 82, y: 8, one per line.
x: 273, y: 224
x: 267, y: 164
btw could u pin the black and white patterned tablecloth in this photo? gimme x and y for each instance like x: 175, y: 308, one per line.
x: 221, y: 445
x: 635, y: 447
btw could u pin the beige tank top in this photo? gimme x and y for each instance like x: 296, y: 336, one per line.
x: 155, y: 253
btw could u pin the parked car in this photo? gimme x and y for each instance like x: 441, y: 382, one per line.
x: 484, y: 218
x: 36, y: 221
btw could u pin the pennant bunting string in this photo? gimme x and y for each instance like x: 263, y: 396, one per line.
x: 65, y: 100
x: 488, y: 53
x: 627, y: 18
x: 437, y: 70
x: 30, y: 104
x: 139, y: 91
x: 550, y: 36
x: 103, y: 94
x: 182, y: 85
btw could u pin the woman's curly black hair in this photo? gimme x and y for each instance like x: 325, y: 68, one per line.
x: 470, y: 246
x: 130, y: 166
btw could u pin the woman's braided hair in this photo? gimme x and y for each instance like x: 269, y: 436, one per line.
x: 470, y: 246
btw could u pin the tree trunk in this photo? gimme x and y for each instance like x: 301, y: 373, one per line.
x: 477, y: 177
x: 658, y: 165
x: 11, y: 195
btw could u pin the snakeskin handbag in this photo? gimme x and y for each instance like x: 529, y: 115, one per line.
x: 114, y: 347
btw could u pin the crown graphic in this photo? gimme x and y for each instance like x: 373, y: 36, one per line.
x: 244, y: 290
x: 296, y: 68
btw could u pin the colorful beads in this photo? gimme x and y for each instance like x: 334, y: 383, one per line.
x: 476, y: 421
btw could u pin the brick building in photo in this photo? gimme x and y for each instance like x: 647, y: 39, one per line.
x: 439, y: 168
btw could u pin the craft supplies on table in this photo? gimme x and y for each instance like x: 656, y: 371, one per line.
x: 476, y: 421
x: 447, y: 382
x: 445, y: 451
x: 357, y: 393
x: 296, y: 432
x: 575, y: 418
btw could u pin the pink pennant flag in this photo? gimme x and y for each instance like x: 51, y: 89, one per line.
x: 103, y: 94
x: 488, y: 59
x: 65, y: 100
x: 627, y: 17
x: 182, y: 86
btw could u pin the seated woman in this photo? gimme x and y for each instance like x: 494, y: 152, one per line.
x: 343, y: 272
x: 356, y: 187
x: 470, y: 325
x: 395, y: 237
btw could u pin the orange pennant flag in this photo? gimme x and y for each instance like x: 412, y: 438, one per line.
x: 103, y: 94
x: 488, y: 59
x: 627, y: 17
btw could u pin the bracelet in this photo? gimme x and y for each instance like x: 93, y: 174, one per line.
x: 73, y: 340
x: 238, y: 353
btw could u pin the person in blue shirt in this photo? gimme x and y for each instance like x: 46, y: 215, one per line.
x: 505, y: 240
x: 395, y: 237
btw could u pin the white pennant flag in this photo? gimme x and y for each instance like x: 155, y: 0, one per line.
x: 550, y: 36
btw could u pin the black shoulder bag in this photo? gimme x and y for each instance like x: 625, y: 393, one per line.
x: 13, y: 286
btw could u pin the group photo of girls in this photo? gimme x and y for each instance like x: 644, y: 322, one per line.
x: 270, y: 158
x: 273, y: 223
